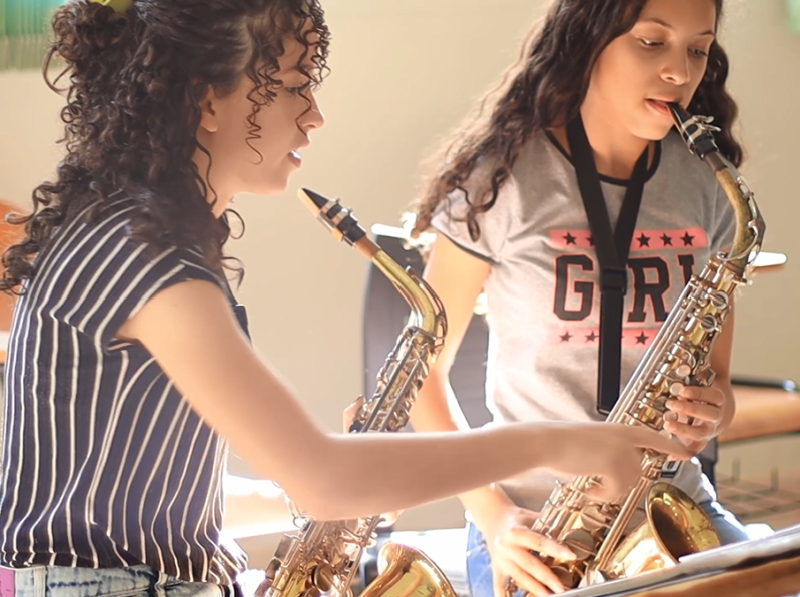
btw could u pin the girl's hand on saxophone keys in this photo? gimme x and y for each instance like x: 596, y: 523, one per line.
x: 511, y: 544
x: 695, y: 415
x: 614, y: 456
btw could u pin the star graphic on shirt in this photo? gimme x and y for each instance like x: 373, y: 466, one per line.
x: 591, y: 241
x: 591, y: 337
x: 667, y: 240
x: 566, y: 337
x: 570, y: 239
x: 644, y: 241
x: 641, y: 338
x: 688, y: 240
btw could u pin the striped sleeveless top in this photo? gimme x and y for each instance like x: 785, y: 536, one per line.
x: 104, y: 463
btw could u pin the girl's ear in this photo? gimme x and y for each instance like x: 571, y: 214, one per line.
x: 208, y: 113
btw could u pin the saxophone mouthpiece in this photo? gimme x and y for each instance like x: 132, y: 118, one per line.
x: 678, y: 113
x: 314, y: 199
x: 695, y: 130
x: 338, y: 219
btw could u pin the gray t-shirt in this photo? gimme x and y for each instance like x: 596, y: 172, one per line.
x: 543, y: 296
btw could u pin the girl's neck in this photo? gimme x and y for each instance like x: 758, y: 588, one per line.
x: 616, y: 150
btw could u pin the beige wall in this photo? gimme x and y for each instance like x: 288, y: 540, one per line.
x: 404, y: 71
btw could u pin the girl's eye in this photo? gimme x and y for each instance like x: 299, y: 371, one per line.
x: 647, y: 43
x: 303, y: 88
x: 696, y: 52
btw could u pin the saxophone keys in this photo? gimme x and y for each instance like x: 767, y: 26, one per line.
x: 323, y: 577
x: 744, y: 188
x: 676, y: 388
x: 569, y: 574
x: 684, y: 355
x: 720, y: 300
x: 709, y: 323
x: 581, y: 543
x: 705, y: 377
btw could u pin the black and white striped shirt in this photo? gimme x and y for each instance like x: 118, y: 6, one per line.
x: 104, y: 463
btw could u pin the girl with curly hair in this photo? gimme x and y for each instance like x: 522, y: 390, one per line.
x: 129, y: 371
x: 579, y: 131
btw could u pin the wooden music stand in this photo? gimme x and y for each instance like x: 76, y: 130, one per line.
x: 768, y: 567
x: 775, y: 578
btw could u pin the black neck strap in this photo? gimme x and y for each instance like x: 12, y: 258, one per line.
x: 612, y: 247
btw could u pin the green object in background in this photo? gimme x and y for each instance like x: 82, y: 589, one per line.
x: 793, y: 8
x: 24, y: 26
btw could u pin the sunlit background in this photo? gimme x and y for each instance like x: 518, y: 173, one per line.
x: 404, y: 72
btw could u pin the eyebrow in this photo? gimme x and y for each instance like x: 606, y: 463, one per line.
x: 663, y: 23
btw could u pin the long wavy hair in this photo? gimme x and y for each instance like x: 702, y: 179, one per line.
x: 544, y: 89
x: 136, y: 80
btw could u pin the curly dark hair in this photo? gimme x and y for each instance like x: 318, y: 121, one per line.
x: 136, y: 79
x: 544, y: 89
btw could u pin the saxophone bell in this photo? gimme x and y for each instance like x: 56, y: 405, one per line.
x: 404, y: 571
x: 674, y: 526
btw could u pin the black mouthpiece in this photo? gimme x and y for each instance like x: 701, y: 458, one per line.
x: 678, y: 113
x: 316, y: 199
x: 695, y: 131
x: 339, y: 220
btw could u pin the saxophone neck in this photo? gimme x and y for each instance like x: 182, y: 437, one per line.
x: 698, y: 134
x: 426, y: 309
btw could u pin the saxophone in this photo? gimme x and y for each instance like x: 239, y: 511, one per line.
x: 322, y: 557
x: 608, y: 541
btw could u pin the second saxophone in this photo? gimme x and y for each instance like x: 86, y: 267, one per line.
x: 607, y: 540
x: 322, y: 557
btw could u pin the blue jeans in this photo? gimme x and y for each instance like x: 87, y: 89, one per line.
x: 135, y: 581
x: 479, y: 569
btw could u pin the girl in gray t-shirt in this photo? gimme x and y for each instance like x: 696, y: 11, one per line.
x: 512, y: 223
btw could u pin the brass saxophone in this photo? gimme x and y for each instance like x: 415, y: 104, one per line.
x: 608, y: 542
x: 322, y: 557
